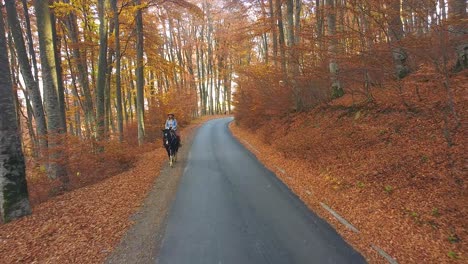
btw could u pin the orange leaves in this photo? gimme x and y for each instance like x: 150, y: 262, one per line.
x: 261, y: 95
x: 84, y: 225
x: 81, y: 226
x: 386, y: 167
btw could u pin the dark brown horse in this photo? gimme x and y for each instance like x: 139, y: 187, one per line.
x: 171, y: 143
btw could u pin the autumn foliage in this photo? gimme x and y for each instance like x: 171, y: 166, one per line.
x: 393, y: 166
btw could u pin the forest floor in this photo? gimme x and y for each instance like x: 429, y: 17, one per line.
x: 386, y: 168
x: 86, y: 224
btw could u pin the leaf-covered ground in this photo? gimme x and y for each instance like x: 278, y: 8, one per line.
x: 83, y: 225
x: 386, y: 168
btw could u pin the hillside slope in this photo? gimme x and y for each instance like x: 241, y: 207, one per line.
x: 397, y: 172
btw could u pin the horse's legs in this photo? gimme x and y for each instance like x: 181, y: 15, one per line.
x: 168, y: 152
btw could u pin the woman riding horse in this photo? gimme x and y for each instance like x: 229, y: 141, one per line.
x: 171, y: 123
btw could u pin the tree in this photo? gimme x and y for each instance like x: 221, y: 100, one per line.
x: 395, y: 32
x: 139, y: 74
x: 293, y: 39
x: 274, y: 35
x: 32, y: 86
x: 118, y: 85
x: 14, y: 201
x: 337, y: 90
x: 279, y: 18
x: 459, y: 29
x: 102, y: 70
x: 57, y: 73
x: 49, y: 81
x: 81, y: 65
x: 30, y: 39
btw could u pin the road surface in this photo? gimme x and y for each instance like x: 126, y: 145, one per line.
x: 230, y: 209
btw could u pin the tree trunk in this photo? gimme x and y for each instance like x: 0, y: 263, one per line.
x: 76, y: 97
x: 131, y: 92
x: 31, y: 84
x: 14, y: 201
x: 297, y: 20
x: 107, y: 92
x: 102, y: 70
x: 337, y: 90
x: 459, y: 29
x: 118, y: 85
x: 279, y: 17
x: 54, y: 117
x: 293, y: 61
x: 264, y: 35
x: 319, y: 29
x: 395, y: 33
x: 82, y: 68
x: 274, y: 33
x: 442, y: 7
x: 57, y: 74
x: 139, y: 75
x: 32, y: 53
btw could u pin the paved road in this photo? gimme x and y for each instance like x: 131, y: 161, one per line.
x: 230, y: 209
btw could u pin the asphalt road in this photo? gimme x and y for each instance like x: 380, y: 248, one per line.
x: 230, y: 209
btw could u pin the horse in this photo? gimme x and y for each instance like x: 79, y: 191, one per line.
x: 171, y: 143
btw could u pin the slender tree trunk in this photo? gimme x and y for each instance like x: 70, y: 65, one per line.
x: 32, y: 53
x: 118, y: 85
x: 442, y: 7
x: 124, y: 102
x: 139, y: 75
x: 76, y: 97
x: 229, y: 87
x: 297, y: 20
x: 279, y: 17
x: 459, y: 31
x: 82, y: 68
x: 16, y: 83
x: 337, y: 90
x: 131, y: 92
x: 57, y: 74
x: 102, y: 70
x: 14, y: 201
x: 200, y: 81
x: 264, y: 35
x: 319, y: 19
x: 107, y: 92
x: 54, y: 117
x: 274, y: 33
x: 31, y: 84
x: 293, y: 61
x: 395, y: 29
x: 77, y: 104
x: 290, y: 22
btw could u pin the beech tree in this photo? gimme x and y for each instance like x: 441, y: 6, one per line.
x: 56, y: 127
x: 140, y: 105
x: 102, y: 69
x: 32, y: 86
x: 337, y: 90
x: 14, y: 201
x: 459, y: 29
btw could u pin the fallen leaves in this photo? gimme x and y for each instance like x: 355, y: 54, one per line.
x: 83, y: 225
x: 385, y: 171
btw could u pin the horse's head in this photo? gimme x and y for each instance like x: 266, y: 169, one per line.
x: 168, y: 135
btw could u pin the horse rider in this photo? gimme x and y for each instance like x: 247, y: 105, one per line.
x: 171, y: 123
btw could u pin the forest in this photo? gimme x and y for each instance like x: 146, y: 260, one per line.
x: 363, y: 99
